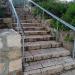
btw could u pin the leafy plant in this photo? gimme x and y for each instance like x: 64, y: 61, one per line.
x: 68, y: 38
x: 65, y: 11
x: 69, y: 16
x: 2, y: 12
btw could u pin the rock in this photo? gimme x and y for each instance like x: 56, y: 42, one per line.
x: 1, y: 67
x: 10, y: 42
x: 10, y: 50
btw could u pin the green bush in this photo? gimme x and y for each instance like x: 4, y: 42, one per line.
x: 65, y: 11
x: 2, y: 9
x: 69, y: 16
x: 68, y: 38
x: 2, y: 12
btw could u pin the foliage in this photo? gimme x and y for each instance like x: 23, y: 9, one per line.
x: 53, y: 6
x: 66, y: 11
x: 69, y: 16
x: 68, y: 38
x: 57, y: 25
x: 2, y: 9
x: 2, y: 12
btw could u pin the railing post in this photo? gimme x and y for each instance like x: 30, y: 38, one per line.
x: 36, y: 11
x: 24, y: 3
x: 43, y: 15
x: 57, y: 31
x: 73, y: 53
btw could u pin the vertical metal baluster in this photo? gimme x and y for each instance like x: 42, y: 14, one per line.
x: 36, y: 12
x: 23, y: 50
x: 57, y: 31
x: 73, y: 53
x: 42, y: 16
x: 24, y: 4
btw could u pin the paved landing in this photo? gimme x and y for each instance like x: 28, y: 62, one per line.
x: 69, y: 73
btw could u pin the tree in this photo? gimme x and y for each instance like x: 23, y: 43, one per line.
x: 66, y: 10
x: 69, y: 16
x: 53, y: 6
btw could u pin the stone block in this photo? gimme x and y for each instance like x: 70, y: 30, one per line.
x: 69, y: 65
x: 55, y: 69
x: 16, y: 73
x: 15, y: 41
x: 10, y: 38
x: 68, y: 73
x: 36, y: 54
x: 44, y: 71
x: 36, y: 65
x: 15, y: 65
x: 28, y: 56
x: 7, y: 20
x: 10, y: 42
x: 10, y: 49
x: 14, y: 54
x: 1, y: 67
x: 33, y: 72
x: 33, y: 66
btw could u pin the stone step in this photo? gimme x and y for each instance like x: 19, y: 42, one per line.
x: 42, y: 54
x: 54, y: 66
x: 29, y: 24
x: 41, y: 45
x: 29, y: 21
x: 32, y: 28
x: 26, y: 21
x: 34, y: 38
x: 70, y: 72
x: 36, y: 32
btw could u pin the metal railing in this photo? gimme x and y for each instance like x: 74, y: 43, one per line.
x: 19, y: 26
x: 14, y: 13
x: 55, y: 18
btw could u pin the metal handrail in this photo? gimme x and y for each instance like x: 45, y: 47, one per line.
x: 14, y: 13
x: 54, y: 16
x: 19, y: 26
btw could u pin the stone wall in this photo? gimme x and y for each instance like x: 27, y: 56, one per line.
x: 10, y: 52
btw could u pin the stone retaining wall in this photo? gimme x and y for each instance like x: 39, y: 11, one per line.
x: 10, y: 51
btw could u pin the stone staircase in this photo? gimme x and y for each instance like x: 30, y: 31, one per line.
x: 43, y: 54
